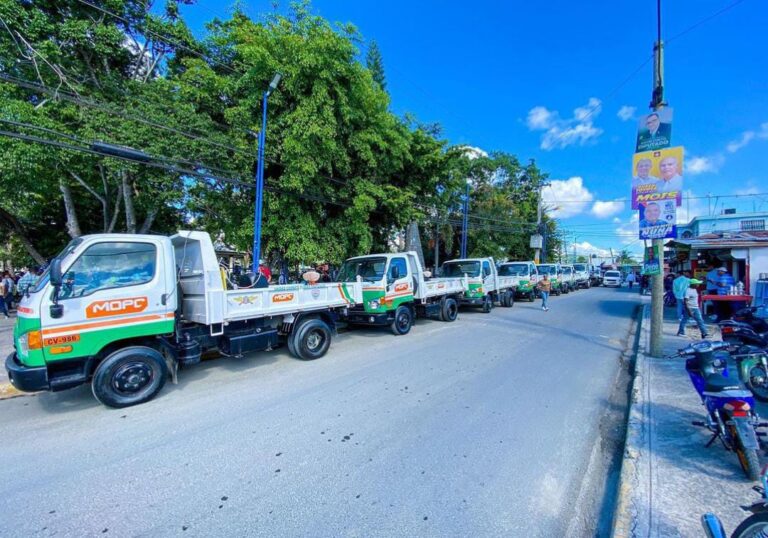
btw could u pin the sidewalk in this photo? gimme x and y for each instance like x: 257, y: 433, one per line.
x: 669, y: 479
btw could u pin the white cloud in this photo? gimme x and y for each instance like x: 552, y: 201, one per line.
x: 626, y: 112
x: 701, y: 165
x: 560, y: 133
x: 566, y: 197
x: 602, y: 209
x: 616, y: 220
x: 736, y: 145
x: 540, y: 118
x: 585, y: 248
x: 628, y: 231
x: 472, y: 152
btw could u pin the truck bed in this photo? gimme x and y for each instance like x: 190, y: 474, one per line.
x: 507, y: 282
x: 436, y: 287
x: 290, y: 299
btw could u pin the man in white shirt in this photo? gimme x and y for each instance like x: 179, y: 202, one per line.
x: 691, y: 309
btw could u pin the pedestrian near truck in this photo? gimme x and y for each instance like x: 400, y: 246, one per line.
x: 691, y: 309
x: 544, y: 286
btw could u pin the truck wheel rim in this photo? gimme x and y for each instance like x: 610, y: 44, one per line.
x: 132, y: 377
x: 402, y: 321
x: 314, y: 340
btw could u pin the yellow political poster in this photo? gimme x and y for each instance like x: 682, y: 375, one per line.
x: 657, y: 176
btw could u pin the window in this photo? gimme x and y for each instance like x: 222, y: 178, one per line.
x: 109, y: 265
x: 752, y: 225
x: 369, y: 269
x: 453, y: 269
x: 486, y: 269
x: 514, y: 269
x: 402, y: 267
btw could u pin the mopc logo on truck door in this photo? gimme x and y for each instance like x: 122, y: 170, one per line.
x: 401, y: 287
x: 116, y: 307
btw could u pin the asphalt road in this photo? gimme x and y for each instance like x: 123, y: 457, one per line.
x: 482, y: 427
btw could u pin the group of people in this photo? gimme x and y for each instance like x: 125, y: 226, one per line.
x: 14, y: 286
x: 718, y: 282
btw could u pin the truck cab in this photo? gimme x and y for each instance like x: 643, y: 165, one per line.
x: 123, y: 311
x: 396, y: 289
x: 485, y: 286
x: 567, y: 278
x: 528, y: 277
x: 581, y: 274
x: 554, y: 273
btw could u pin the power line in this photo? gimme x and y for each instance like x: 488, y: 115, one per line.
x: 704, y: 20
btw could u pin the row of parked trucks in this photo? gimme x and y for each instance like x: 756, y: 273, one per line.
x: 125, y: 312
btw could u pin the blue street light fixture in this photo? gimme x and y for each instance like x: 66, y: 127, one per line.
x: 260, y: 175
x: 465, y: 224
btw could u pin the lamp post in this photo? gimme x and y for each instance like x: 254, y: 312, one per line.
x: 465, y: 223
x: 260, y: 175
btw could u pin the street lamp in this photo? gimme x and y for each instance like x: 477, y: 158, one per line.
x: 260, y: 175
x: 465, y: 223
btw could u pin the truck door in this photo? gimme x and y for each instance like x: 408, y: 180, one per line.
x: 489, y: 278
x: 112, y: 291
x: 399, y: 282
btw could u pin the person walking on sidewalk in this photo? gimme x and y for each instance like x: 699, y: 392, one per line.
x: 3, y: 306
x: 679, y: 287
x: 691, y: 309
x: 544, y: 286
x: 631, y: 279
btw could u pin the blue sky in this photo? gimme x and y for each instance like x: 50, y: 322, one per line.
x: 501, y: 75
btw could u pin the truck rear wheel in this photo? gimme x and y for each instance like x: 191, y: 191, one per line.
x: 487, y: 304
x: 403, y: 321
x: 450, y: 310
x: 129, y: 376
x: 311, y: 339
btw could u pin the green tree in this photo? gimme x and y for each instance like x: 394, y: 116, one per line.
x: 375, y: 64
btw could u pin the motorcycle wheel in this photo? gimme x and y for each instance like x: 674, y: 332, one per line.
x: 758, y: 382
x: 752, y: 526
x: 748, y: 458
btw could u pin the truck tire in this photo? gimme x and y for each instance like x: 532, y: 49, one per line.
x: 129, y: 376
x: 403, y: 321
x: 311, y: 339
x: 487, y: 304
x: 450, y: 310
x: 510, y: 299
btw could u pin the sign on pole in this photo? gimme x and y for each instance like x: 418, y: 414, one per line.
x: 658, y: 220
x: 657, y: 176
x: 654, y: 131
x: 652, y: 260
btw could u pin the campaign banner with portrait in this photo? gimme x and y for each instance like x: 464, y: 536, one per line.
x: 652, y: 260
x: 657, y: 176
x: 654, y: 130
x: 658, y: 220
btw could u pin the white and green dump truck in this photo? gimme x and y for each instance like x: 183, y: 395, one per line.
x: 527, y: 275
x: 486, y: 286
x: 124, y: 311
x: 396, y: 289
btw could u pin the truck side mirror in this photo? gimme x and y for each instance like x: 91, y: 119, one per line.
x: 394, y: 272
x: 55, y: 273
x: 57, y: 310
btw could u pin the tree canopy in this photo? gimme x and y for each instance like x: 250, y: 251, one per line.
x: 344, y: 175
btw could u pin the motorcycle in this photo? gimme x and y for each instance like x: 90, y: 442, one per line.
x: 752, y: 367
x: 756, y: 525
x: 730, y: 406
x: 745, y: 327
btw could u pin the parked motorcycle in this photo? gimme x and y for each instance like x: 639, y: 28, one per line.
x: 755, y: 525
x: 745, y: 327
x: 730, y: 406
x: 752, y: 366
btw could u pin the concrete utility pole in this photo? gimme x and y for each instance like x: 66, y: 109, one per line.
x: 657, y: 284
x: 537, y: 252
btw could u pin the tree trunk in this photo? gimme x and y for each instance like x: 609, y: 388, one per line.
x: 148, y: 221
x: 12, y: 225
x: 102, y: 199
x: 113, y: 223
x: 73, y: 226
x: 130, y: 214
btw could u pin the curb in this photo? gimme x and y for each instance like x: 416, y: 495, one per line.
x: 8, y: 391
x: 626, y: 517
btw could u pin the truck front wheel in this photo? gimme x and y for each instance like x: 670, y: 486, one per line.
x: 450, y: 310
x: 311, y: 339
x: 403, y: 321
x: 129, y: 376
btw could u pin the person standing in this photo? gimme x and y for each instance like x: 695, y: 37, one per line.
x: 3, y: 306
x: 691, y: 309
x: 631, y: 279
x: 544, y: 286
x: 680, y: 286
x: 9, y: 284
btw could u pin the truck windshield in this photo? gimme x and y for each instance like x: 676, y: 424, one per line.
x: 369, y: 269
x: 579, y: 267
x: 454, y: 269
x: 547, y: 269
x: 64, y: 256
x: 514, y: 269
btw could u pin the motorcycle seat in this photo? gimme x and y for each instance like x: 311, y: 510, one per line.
x: 719, y: 383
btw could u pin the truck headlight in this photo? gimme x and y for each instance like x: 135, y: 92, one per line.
x: 24, y: 343
x: 30, y: 340
x: 374, y: 305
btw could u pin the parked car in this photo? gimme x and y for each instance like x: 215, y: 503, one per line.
x: 612, y: 279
